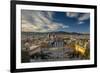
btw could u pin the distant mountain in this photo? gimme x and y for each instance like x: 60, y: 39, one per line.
x: 56, y: 32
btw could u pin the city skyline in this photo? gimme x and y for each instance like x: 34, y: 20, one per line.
x: 46, y: 21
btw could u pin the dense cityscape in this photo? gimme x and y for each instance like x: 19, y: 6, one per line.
x: 54, y: 46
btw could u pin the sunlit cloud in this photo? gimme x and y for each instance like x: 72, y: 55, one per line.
x: 71, y: 14
x: 39, y: 21
x: 84, y: 17
x: 78, y: 16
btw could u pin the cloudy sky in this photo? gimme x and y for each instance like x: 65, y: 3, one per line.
x: 46, y: 21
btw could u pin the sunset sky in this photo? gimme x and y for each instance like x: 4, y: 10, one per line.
x: 46, y: 21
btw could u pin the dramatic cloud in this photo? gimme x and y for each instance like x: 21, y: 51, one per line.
x: 71, y: 14
x: 80, y: 17
x: 39, y: 21
x: 84, y: 17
